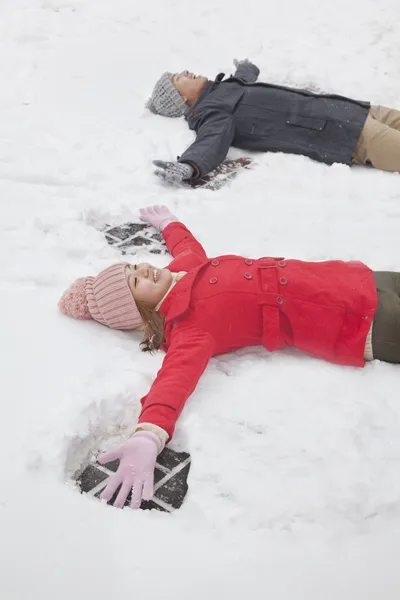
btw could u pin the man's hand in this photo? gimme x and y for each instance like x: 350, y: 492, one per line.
x: 237, y: 62
x: 173, y: 172
x: 246, y: 70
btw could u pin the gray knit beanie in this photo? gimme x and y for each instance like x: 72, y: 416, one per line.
x: 165, y: 99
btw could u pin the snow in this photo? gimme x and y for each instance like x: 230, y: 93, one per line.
x: 295, y: 485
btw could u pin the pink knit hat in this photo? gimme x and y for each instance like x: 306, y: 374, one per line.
x: 105, y: 298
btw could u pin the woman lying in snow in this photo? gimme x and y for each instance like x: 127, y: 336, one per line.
x: 199, y: 307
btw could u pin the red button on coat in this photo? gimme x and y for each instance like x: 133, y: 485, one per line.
x: 281, y: 263
x: 215, y: 262
x: 279, y: 300
x: 213, y: 280
x: 248, y: 275
x: 248, y: 261
x: 283, y: 281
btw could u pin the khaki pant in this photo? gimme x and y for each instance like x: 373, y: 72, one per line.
x: 379, y: 142
x: 386, y: 327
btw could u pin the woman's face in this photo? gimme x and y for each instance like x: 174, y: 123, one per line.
x: 148, y: 284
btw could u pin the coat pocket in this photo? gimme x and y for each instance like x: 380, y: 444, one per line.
x: 306, y: 122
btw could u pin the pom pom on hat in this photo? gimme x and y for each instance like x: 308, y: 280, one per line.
x: 73, y: 302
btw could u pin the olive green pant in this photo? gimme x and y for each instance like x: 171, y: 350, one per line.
x: 386, y: 327
x: 379, y: 142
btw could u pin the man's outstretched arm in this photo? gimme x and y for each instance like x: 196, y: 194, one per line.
x: 214, y: 138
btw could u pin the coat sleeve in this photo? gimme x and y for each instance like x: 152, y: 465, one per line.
x: 247, y: 71
x: 188, y: 354
x: 179, y: 239
x: 214, y: 138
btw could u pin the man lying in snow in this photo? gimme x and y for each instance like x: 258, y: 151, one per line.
x: 264, y: 117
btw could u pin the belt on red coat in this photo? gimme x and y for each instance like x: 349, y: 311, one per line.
x: 268, y: 297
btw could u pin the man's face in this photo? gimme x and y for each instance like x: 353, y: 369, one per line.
x: 188, y: 85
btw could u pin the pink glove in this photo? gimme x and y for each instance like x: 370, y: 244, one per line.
x: 158, y: 216
x: 137, y: 460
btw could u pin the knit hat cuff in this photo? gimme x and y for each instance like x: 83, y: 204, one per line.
x: 110, y: 300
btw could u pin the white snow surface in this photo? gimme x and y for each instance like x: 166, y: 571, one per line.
x: 295, y: 480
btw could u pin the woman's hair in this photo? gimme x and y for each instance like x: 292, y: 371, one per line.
x: 154, y: 331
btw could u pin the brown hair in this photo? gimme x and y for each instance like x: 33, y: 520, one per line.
x: 154, y: 331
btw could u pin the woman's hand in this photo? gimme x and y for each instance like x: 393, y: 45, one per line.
x: 137, y: 460
x: 158, y: 216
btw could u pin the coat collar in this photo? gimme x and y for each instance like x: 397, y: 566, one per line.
x: 178, y: 300
x: 207, y: 89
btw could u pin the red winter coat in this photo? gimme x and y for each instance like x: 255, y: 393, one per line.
x: 222, y: 304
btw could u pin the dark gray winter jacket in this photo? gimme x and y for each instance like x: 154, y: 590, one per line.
x: 264, y: 117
